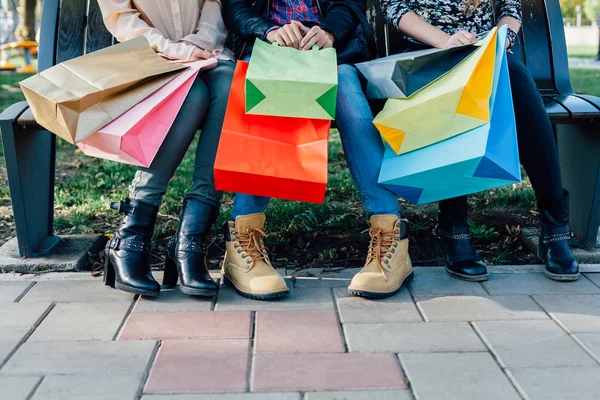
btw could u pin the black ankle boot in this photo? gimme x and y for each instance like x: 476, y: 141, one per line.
x: 454, y: 242
x: 127, y: 261
x: 186, y: 255
x: 554, y: 248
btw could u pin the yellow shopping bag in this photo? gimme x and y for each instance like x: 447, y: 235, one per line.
x: 456, y: 103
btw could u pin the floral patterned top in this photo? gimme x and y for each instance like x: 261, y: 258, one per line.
x: 450, y: 15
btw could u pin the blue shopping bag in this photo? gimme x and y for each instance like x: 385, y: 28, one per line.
x: 483, y: 158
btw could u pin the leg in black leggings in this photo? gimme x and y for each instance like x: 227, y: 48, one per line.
x: 539, y: 156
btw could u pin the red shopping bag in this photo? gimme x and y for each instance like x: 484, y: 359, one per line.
x: 277, y: 157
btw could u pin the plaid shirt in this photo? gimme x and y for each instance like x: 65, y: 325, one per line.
x: 284, y: 11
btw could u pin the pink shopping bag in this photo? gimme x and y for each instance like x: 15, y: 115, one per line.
x: 136, y: 136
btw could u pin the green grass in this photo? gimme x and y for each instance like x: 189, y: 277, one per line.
x: 586, y: 80
x: 582, y: 51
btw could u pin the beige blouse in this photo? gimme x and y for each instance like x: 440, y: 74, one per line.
x: 168, y: 24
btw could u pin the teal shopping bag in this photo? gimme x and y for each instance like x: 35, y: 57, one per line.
x: 286, y: 82
x: 480, y: 159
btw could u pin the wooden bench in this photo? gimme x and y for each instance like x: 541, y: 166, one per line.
x: 72, y: 28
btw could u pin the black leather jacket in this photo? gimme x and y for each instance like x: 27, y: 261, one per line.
x: 248, y: 20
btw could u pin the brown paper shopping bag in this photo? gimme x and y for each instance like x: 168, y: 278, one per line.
x: 76, y: 98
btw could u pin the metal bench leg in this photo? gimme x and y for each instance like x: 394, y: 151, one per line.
x: 579, y: 149
x: 30, y: 159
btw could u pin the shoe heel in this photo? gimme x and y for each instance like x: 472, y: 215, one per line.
x: 109, y: 272
x: 171, y: 273
x: 541, y: 252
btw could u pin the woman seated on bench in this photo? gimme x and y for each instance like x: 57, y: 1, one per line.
x: 448, y: 23
x: 180, y: 30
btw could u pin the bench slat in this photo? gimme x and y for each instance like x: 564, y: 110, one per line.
x: 97, y: 36
x: 71, y: 30
x: 578, y: 108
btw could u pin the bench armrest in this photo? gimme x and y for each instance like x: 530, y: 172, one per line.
x: 13, y: 112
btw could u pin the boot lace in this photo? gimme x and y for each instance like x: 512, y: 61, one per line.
x: 252, y: 243
x: 381, y: 243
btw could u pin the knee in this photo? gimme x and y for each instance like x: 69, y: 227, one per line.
x: 197, y: 98
x: 517, y: 70
x: 346, y: 74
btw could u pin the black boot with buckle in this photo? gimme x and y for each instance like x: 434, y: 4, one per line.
x: 554, y: 248
x: 454, y: 242
x: 186, y: 255
x: 127, y: 258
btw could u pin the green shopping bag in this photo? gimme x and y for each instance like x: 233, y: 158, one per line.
x: 286, y: 82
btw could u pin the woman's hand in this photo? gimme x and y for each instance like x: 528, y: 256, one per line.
x: 458, y: 39
x: 314, y: 35
x: 199, y: 54
x: 288, y: 36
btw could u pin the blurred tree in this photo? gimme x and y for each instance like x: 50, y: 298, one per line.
x: 592, y: 9
x: 26, y: 29
x: 568, y: 8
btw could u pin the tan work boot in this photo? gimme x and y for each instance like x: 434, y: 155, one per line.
x: 388, y: 264
x: 246, y: 266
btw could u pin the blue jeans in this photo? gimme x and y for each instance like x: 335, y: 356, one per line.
x: 363, y: 147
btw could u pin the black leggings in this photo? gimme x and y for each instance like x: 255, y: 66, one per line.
x: 537, y: 146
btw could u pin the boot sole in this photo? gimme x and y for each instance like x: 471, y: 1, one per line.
x: 198, y: 292
x: 562, y: 277
x: 381, y: 295
x: 267, y: 296
x: 468, y: 278
x: 129, y: 289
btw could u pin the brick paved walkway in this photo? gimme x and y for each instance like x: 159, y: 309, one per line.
x: 517, y: 336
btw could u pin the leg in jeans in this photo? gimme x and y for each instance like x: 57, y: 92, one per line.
x: 539, y: 157
x: 186, y: 258
x: 362, y: 143
x: 245, y: 204
x: 218, y: 82
x: 388, y: 265
x: 150, y: 184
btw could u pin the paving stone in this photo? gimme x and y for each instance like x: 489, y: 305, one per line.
x: 443, y: 285
x: 503, y: 284
x: 412, y: 337
x: 360, y: 395
x: 74, y: 292
x: 199, y: 366
x: 457, y: 376
x: 80, y: 358
x: 594, y: 278
x: 9, y: 291
x: 173, y: 301
x: 228, y: 396
x: 9, y: 339
x: 579, y: 313
x: 566, y: 383
x: 107, y: 387
x: 187, y: 325
x: 398, y: 308
x: 81, y: 321
x: 19, y: 315
x: 17, y: 387
x: 301, y: 372
x: 592, y: 341
x: 298, y: 331
x: 297, y: 299
x: 49, y: 276
x: 472, y: 308
x: 321, y: 282
x: 533, y: 344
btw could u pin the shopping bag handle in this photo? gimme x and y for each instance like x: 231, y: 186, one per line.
x: 315, y: 46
